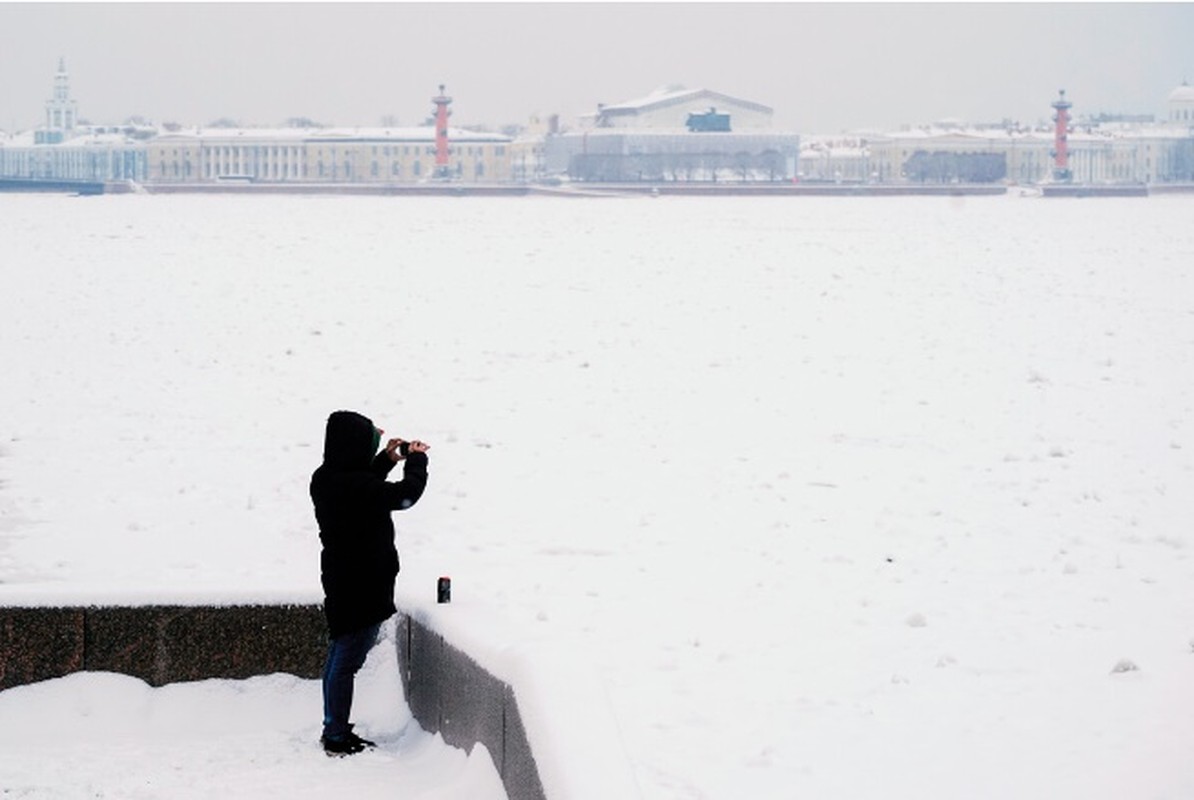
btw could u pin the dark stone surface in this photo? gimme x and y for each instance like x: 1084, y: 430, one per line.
x: 451, y: 694
x: 166, y: 644
x: 519, y: 774
x: 127, y: 640
x: 161, y: 644
x: 37, y: 644
x: 472, y: 703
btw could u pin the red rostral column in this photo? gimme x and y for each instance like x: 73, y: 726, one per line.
x: 441, y: 133
x: 1061, y: 153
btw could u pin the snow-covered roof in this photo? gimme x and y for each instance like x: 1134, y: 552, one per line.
x: 294, y: 135
x: 277, y: 134
x: 1182, y: 94
x: 672, y: 95
x: 597, y: 133
x: 966, y: 134
x: 1101, y: 134
x: 841, y: 145
x: 97, y: 139
x: 84, y: 139
x: 21, y: 139
x: 1163, y: 131
x: 834, y: 151
x: 417, y: 134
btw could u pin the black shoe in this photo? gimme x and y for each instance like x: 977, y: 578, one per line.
x: 362, y: 742
x: 346, y: 745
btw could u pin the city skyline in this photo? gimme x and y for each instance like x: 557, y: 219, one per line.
x: 821, y: 67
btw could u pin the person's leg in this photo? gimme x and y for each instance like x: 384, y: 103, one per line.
x: 346, y: 654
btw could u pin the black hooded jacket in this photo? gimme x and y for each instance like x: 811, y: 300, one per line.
x: 353, y: 501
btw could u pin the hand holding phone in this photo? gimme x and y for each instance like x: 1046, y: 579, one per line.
x: 400, y: 448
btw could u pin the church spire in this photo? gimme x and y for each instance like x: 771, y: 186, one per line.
x: 61, y: 110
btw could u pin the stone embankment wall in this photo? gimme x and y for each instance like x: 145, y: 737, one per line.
x: 448, y: 692
x: 160, y: 644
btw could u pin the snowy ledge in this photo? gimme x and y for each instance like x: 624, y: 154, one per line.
x: 543, y: 715
x: 81, y: 594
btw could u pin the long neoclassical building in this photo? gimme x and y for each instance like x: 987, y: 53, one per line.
x: 62, y: 149
x: 1101, y: 151
x: 323, y: 155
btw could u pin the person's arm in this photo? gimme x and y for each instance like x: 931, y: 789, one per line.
x: 401, y: 495
x: 382, y: 464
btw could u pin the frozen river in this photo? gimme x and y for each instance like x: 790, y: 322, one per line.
x: 841, y: 497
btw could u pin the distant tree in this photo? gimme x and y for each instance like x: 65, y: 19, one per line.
x: 669, y: 166
x: 945, y: 167
x: 388, y: 121
x: 224, y: 122
x: 922, y: 167
x: 596, y: 167
x: 982, y: 167
x: 772, y: 162
x: 744, y: 165
x: 580, y: 167
x: 713, y: 164
x: 642, y: 167
x: 140, y: 132
x: 291, y: 122
x: 171, y: 126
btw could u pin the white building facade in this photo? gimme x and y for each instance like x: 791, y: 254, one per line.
x: 319, y: 155
x: 91, y: 158
x: 1180, y: 106
x: 63, y: 149
x: 674, y: 134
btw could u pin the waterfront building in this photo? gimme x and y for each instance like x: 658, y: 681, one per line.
x: 324, y: 155
x: 674, y: 134
x: 956, y: 154
x: 528, y: 150
x: 61, y: 110
x: 211, y: 154
x: 1103, y: 150
x: 63, y: 149
x: 835, y: 159
x: 1015, y: 156
x: 1180, y: 105
x: 91, y: 157
x: 671, y: 108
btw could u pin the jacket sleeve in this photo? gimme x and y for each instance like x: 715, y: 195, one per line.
x: 400, y: 495
x: 382, y: 464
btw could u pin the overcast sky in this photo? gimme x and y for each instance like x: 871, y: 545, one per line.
x: 823, y: 68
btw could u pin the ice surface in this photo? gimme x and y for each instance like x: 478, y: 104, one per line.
x: 836, y: 497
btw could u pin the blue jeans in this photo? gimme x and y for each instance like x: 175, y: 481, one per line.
x: 346, y: 654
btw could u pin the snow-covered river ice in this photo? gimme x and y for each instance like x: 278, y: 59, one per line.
x: 840, y: 497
